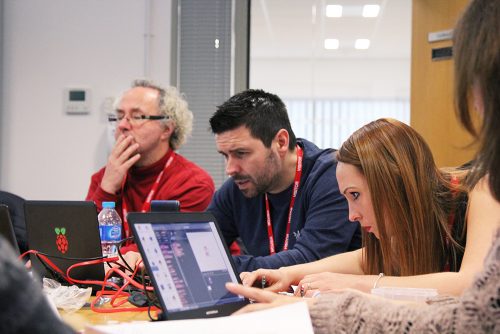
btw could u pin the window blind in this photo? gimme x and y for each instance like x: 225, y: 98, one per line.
x: 205, y: 73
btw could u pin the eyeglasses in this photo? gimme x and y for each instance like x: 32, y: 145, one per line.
x: 135, y: 119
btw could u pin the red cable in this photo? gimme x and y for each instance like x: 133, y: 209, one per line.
x: 119, y: 297
x: 115, y: 301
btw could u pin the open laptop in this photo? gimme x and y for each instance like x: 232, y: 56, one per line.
x: 188, y: 262
x: 7, y: 229
x: 68, y: 232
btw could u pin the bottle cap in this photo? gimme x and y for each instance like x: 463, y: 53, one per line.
x: 109, y: 205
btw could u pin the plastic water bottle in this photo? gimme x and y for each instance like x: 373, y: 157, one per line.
x: 110, y: 228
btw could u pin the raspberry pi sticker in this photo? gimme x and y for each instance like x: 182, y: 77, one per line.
x: 61, y: 240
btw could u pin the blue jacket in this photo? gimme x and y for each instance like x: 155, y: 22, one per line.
x: 319, y: 225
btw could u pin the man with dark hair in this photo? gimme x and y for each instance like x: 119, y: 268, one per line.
x: 282, y: 198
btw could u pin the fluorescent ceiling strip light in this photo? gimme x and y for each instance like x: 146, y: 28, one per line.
x: 371, y: 10
x: 331, y: 43
x: 362, y: 44
x: 333, y: 11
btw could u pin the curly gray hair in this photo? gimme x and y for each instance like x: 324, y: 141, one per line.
x: 172, y: 104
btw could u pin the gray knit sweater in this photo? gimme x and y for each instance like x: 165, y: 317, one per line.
x: 477, y: 311
x: 23, y: 308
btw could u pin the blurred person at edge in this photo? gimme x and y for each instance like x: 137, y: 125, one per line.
x: 24, y: 307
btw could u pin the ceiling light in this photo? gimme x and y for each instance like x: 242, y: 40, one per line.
x: 331, y: 43
x: 362, y: 44
x: 334, y: 11
x: 371, y: 10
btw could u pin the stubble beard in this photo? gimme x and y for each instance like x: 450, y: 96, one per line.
x: 266, y: 180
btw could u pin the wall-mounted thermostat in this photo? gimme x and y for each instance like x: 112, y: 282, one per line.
x: 77, y: 100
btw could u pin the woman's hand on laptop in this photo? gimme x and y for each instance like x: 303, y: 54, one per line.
x: 263, y: 299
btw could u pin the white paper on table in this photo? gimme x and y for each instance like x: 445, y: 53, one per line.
x: 290, y: 319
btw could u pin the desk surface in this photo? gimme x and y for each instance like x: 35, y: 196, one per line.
x: 85, y: 316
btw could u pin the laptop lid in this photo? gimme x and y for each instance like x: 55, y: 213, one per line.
x: 188, y: 262
x: 68, y: 232
x: 6, y: 227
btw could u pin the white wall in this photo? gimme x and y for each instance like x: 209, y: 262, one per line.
x: 53, y: 44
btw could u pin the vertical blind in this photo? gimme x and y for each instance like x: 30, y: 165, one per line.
x: 329, y: 122
x: 204, y: 74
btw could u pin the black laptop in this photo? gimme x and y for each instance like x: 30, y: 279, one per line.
x: 7, y: 229
x: 188, y: 262
x: 68, y: 232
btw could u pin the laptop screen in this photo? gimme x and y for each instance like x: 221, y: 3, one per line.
x: 188, y: 262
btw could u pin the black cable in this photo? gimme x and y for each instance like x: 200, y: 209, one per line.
x: 55, y: 274
x: 81, y: 259
x: 119, y: 245
x: 141, y: 279
x: 151, y: 296
x: 150, y: 316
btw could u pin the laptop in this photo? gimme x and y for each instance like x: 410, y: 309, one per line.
x: 7, y: 229
x: 68, y: 232
x: 188, y: 263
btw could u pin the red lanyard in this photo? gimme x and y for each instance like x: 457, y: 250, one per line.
x: 147, y: 203
x: 296, y: 182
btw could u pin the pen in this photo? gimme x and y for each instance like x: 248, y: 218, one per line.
x: 263, y: 281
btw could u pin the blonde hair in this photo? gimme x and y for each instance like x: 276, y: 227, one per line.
x: 412, y: 199
x: 172, y: 104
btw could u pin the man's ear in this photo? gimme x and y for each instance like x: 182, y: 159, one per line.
x: 282, y: 139
x: 168, y: 130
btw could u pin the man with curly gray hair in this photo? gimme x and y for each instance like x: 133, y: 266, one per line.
x: 151, y: 122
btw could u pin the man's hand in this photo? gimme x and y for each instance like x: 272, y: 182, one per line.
x: 276, y: 279
x: 123, y: 156
x: 132, y: 258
